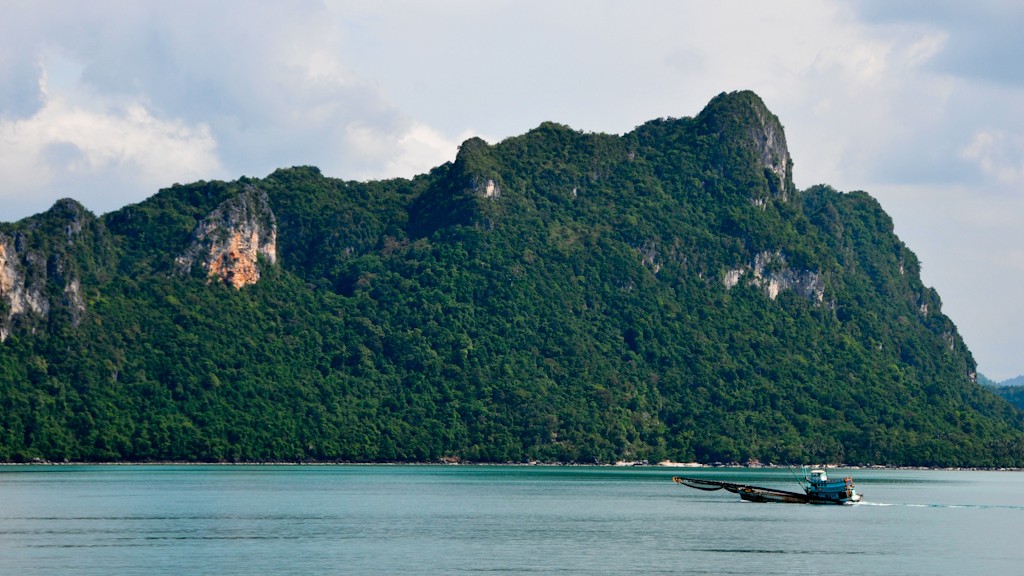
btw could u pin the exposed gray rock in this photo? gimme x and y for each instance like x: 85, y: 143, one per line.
x: 771, y: 272
x: 22, y: 286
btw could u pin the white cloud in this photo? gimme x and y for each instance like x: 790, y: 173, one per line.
x: 999, y: 155
x: 857, y: 119
x: 77, y: 138
x: 404, y: 154
x: 926, y: 48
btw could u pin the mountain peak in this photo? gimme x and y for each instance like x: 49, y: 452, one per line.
x: 474, y: 169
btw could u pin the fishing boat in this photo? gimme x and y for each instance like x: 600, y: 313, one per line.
x: 818, y: 490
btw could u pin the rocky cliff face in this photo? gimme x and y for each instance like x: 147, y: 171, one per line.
x: 228, y: 243
x: 772, y: 273
x: 33, y: 269
x: 769, y: 142
x: 740, y: 120
x: 21, y: 287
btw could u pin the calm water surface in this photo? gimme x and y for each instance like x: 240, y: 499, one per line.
x: 490, y: 519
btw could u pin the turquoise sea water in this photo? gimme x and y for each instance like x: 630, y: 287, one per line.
x: 493, y: 519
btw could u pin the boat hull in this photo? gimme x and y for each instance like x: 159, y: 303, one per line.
x: 770, y: 495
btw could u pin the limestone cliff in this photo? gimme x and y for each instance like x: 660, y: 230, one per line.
x: 769, y: 143
x: 228, y: 243
x: 741, y: 121
x: 38, y: 275
x: 772, y: 273
x: 22, y: 294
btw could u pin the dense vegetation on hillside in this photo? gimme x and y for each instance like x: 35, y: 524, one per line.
x: 558, y: 296
x: 1012, y: 390
x: 1013, y: 394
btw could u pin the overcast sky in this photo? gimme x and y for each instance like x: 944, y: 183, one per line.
x: 919, y: 103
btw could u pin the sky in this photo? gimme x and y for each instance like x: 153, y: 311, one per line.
x: 919, y: 103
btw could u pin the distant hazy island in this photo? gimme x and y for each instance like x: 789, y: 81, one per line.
x: 1012, y: 389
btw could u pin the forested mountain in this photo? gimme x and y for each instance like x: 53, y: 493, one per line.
x: 557, y: 296
x: 1013, y: 394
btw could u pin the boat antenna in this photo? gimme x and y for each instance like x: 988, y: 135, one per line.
x: 795, y: 477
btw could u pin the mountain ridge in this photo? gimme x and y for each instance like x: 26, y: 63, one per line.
x: 559, y: 296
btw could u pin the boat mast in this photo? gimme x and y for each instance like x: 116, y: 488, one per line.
x: 797, y: 478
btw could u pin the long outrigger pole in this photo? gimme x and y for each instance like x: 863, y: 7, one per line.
x: 747, y: 492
